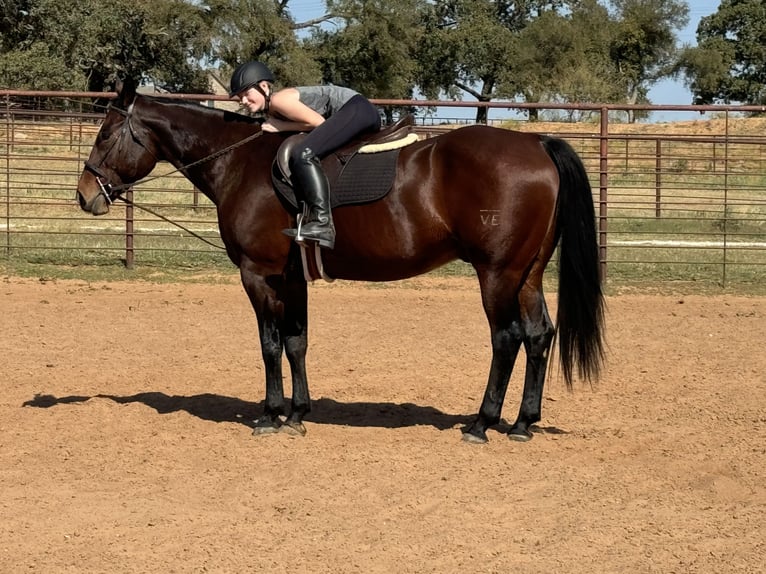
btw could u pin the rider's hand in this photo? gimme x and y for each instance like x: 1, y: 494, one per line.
x: 268, y: 126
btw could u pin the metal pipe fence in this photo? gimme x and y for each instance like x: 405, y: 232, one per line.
x: 682, y: 201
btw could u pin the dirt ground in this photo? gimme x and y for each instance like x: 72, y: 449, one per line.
x: 125, y: 443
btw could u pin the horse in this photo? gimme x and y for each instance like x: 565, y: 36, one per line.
x: 498, y: 199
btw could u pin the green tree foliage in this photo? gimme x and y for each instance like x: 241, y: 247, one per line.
x: 262, y: 30
x: 520, y: 50
x: 535, y: 50
x: 373, y: 52
x: 473, y: 47
x: 729, y: 62
x: 96, y: 41
x: 13, y: 27
x: 643, y: 48
x: 589, y: 75
x: 179, y: 38
x: 34, y: 68
x: 563, y: 58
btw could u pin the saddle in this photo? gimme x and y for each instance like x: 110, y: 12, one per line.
x: 360, y: 172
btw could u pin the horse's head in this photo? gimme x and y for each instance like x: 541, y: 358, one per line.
x: 123, y: 154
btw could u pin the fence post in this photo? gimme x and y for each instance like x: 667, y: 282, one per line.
x: 129, y: 222
x: 658, y: 180
x: 725, y: 195
x: 79, y: 131
x: 603, y: 189
x: 8, y: 175
x: 11, y: 126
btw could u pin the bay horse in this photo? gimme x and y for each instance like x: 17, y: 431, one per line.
x: 498, y: 199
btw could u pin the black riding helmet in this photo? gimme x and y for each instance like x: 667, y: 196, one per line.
x: 248, y: 75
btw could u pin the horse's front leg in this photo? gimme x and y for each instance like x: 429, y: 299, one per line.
x: 271, y: 350
x: 280, y: 305
x: 267, y: 307
x: 295, y: 330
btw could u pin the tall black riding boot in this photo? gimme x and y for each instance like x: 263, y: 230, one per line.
x: 311, y: 182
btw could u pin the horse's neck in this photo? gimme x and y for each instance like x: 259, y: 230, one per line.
x: 190, y: 137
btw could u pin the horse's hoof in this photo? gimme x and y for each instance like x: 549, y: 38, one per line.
x: 265, y: 427
x: 520, y: 435
x: 474, y: 439
x: 293, y: 428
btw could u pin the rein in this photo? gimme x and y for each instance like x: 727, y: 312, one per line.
x: 114, y: 192
x: 164, y: 218
x: 118, y: 189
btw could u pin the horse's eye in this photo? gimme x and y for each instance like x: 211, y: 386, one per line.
x: 103, y: 135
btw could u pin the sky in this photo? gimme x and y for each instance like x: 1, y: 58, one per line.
x: 668, y: 92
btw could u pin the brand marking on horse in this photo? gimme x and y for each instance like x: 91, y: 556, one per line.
x: 490, y: 216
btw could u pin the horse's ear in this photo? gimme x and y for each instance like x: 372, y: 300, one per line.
x: 126, y: 90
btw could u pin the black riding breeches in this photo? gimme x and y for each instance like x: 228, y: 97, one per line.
x: 356, y: 117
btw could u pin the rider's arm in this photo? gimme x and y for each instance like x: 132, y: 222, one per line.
x: 291, y: 114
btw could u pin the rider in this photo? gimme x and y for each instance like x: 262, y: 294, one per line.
x: 333, y: 115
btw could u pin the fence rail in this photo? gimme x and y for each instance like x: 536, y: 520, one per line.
x: 681, y: 201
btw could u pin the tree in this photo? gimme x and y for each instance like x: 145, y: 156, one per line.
x: 13, y: 27
x: 473, y: 47
x: 563, y: 50
x: 374, y: 51
x: 729, y: 62
x: 97, y: 41
x: 589, y: 75
x: 179, y: 38
x: 35, y: 69
x: 262, y: 30
x: 643, y: 49
x: 564, y: 58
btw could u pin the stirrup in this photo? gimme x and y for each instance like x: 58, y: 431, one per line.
x: 302, y: 239
x: 296, y: 231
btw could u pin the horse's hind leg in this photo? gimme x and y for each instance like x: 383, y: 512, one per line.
x: 537, y: 336
x: 498, y: 291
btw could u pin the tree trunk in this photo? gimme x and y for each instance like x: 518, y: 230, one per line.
x: 481, y: 115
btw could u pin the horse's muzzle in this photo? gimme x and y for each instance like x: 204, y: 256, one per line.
x: 96, y: 206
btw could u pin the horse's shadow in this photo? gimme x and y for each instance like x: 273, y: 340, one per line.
x: 218, y: 408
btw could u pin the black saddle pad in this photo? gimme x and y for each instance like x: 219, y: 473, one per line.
x: 363, y: 178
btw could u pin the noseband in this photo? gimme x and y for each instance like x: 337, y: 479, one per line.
x: 105, y: 188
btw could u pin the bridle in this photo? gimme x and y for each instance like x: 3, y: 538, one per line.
x: 112, y: 192
x: 106, y: 188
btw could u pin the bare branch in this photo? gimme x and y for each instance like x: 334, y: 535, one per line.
x: 470, y: 90
x: 313, y: 22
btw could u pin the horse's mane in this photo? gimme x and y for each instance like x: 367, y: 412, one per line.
x: 214, y: 113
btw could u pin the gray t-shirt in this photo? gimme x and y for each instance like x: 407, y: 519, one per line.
x: 325, y: 100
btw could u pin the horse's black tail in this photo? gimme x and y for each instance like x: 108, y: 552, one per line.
x: 580, y: 318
